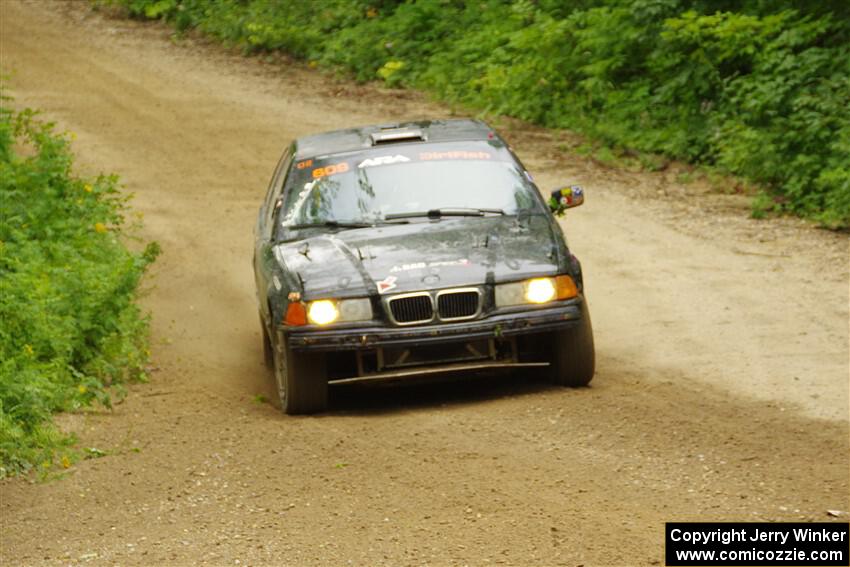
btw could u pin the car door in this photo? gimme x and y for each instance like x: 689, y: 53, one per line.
x: 264, y: 229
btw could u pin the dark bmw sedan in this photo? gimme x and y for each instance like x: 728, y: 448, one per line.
x: 400, y: 250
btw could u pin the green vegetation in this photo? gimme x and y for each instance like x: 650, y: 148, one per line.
x: 70, y: 332
x: 759, y: 89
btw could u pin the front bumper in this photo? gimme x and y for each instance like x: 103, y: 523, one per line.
x: 520, y: 322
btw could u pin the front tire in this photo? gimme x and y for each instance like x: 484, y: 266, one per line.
x: 301, y: 379
x: 572, y: 356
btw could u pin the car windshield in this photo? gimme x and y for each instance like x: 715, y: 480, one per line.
x: 401, y: 182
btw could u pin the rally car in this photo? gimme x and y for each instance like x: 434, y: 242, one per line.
x: 389, y: 251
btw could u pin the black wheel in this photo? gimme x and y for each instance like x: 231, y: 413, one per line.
x: 268, y: 352
x: 301, y: 379
x: 572, y: 357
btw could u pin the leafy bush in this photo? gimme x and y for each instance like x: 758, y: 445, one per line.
x: 757, y: 89
x: 69, y: 327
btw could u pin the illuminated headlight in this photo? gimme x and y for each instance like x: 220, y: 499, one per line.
x: 327, y: 311
x: 535, y: 291
x: 322, y: 312
x: 540, y: 290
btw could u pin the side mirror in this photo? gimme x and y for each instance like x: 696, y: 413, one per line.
x: 566, y: 198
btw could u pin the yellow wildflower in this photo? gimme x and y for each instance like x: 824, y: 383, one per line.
x: 82, y: 389
x: 100, y: 228
x: 29, y: 350
x: 66, y: 462
x: 88, y: 188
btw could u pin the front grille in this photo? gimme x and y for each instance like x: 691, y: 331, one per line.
x: 457, y: 305
x: 412, y: 308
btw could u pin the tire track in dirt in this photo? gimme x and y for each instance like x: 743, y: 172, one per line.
x: 695, y: 412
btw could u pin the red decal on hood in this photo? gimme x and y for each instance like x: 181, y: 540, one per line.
x: 387, y: 284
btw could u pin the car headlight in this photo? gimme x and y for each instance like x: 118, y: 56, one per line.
x: 535, y: 291
x: 327, y: 311
x: 322, y: 312
x: 540, y: 290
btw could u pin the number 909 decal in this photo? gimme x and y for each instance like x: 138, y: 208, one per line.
x: 332, y: 169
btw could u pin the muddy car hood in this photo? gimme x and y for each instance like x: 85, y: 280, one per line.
x: 407, y: 257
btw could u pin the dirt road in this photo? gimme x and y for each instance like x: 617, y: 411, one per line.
x: 721, y: 392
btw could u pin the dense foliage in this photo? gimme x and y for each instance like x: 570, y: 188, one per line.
x: 69, y: 327
x: 757, y: 88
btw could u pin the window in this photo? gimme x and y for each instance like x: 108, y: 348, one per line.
x: 367, y: 186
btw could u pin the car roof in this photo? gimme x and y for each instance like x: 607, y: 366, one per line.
x: 365, y: 137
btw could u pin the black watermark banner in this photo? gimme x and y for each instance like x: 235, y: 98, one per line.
x: 792, y: 543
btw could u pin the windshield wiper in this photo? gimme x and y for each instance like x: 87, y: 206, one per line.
x: 338, y: 224
x: 448, y: 212
x: 328, y: 224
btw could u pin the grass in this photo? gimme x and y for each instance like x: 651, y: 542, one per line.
x: 71, y: 333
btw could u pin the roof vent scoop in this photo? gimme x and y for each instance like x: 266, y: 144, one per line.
x: 394, y: 136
